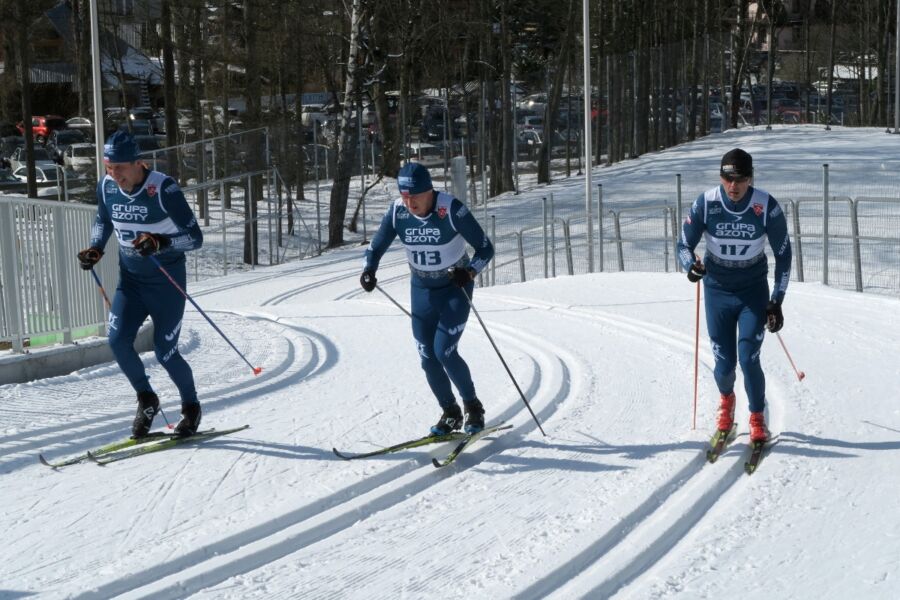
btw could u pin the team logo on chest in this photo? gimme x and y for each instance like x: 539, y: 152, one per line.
x: 151, y: 190
x: 757, y: 209
x: 442, y: 212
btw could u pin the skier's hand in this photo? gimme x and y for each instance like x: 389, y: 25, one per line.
x: 150, y: 243
x: 368, y: 280
x: 696, y: 272
x: 89, y: 257
x: 774, y: 316
x: 461, y: 277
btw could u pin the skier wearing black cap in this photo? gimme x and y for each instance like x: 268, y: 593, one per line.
x: 150, y: 216
x: 434, y: 227
x: 735, y: 219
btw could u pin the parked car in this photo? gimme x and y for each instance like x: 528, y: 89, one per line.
x: 60, y: 140
x: 82, y: 124
x: 41, y: 127
x: 145, y: 113
x: 10, y: 184
x: 427, y: 155
x: 79, y: 157
x: 43, y: 171
x: 18, y: 158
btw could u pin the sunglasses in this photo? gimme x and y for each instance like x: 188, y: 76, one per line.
x: 735, y: 178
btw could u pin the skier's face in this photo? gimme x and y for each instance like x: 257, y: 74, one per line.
x: 127, y: 174
x: 419, y: 204
x: 736, y: 187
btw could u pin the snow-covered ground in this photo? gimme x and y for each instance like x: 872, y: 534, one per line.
x: 616, y: 500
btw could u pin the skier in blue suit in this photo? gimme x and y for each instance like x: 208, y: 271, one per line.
x: 150, y: 216
x: 736, y: 219
x: 434, y: 227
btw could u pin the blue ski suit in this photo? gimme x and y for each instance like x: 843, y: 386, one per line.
x: 736, y: 288
x: 156, y: 206
x: 434, y: 244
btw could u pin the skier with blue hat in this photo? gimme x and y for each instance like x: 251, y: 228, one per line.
x: 435, y: 227
x: 150, y: 217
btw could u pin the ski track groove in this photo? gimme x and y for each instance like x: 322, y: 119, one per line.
x: 675, y: 496
x: 212, y: 564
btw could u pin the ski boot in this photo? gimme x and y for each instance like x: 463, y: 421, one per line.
x: 148, y: 406
x: 451, y: 420
x: 758, y: 430
x: 474, y: 416
x: 726, y: 412
x: 190, y: 419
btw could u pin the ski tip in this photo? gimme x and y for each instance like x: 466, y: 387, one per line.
x: 338, y: 454
x: 436, y: 464
x: 44, y: 461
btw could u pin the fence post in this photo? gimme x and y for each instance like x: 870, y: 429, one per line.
x: 268, y: 188
x: 618, y: 230
x: 546, y: 237
x: 825, y: 224
x: 600, y: 225
x: 9, y: 277
x: 666, y: 212
x: 570, y: 266
x: 552, y: 235
x: 521, y: 256
x: 857, y: 262
x: 679, y: 210
x: 798, y: 238
x: 493, y: 239
x: 224, y: 232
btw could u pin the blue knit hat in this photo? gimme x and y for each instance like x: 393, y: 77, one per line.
x: 413, y: 178
x: 120, y: 147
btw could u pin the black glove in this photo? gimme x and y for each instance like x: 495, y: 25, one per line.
x: 461, y: 277
x: 774, y: 316
x: 368, y: 280
x: 696, y: 272
x: 89, y: 257
x: 150, y: 243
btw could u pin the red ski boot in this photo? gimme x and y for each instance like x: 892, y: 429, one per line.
x: 758, y: 430
x: 726, y: 412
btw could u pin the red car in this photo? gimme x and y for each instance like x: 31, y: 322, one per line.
x: 42, y: 126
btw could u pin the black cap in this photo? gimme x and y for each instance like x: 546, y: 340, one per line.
x: 736, y: 163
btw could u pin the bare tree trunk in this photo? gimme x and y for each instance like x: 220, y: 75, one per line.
x: 252, y: 92
x: 340, y: 191
x: 169, y: 74
x: 554, y: 94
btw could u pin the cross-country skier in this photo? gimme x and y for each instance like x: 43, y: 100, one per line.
x: 736, y: 219
x: 150, y: 216
x: 434, y: 228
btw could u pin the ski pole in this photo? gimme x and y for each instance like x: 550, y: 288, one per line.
x: 696, y: 353
x: 102, y: 291
x: 483, y: 326
x: 800, y: 374
x: 256, y: 370
x: 397, y: 304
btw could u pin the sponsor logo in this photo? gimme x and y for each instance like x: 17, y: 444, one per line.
x: 111, y: 187
x: 404, y: 181
x: 757, y: 209
x: 449, y: 351
x: 736, y: 230
x: 129, y: 212
x: 422, y: 235
x: 463, y: 211
x: 775, y: 211
x: 423, y: 351
x: 715, y: 210
x: 112, y: 323
x: 442, y: 212
x: 169, y: 354
x: 171, y: 336
x: 402, y: 213
x: 457, y: 329
x: 151, y: 190
x: 172, y: 189
x: 760, y: 336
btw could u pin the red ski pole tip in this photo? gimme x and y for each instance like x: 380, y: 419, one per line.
x: 257, y: 370
x: 801, y: 375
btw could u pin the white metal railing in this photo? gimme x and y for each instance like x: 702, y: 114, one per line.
x: 46, y: 295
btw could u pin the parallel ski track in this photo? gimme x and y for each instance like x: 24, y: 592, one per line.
x: 79, y: 435
x: 267, y: 542
x: 646, y: 534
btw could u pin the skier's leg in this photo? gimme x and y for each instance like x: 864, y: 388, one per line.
x: 424, y: 326
x: 721, y: 323
x: 126, y: 316
x: 166, y: 307
x: 453, y: 316
x: 751, y: 332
